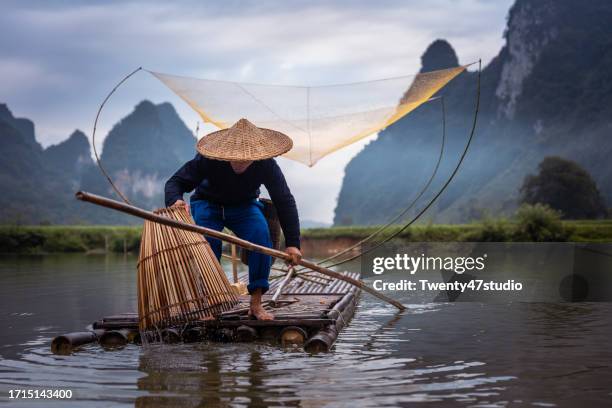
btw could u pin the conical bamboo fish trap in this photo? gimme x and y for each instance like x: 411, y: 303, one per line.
x: 179, y: 277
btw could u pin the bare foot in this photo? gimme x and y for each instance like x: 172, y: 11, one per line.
x: 260, y: 313
x: 257, y: 309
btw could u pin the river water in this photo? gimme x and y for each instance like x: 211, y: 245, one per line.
x: 436, y: 354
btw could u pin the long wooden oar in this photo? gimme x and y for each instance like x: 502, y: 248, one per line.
x: 148, y: 215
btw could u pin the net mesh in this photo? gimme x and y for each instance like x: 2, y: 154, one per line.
x: 319, y: 119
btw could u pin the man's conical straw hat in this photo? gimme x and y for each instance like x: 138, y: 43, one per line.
x: 244, y: 142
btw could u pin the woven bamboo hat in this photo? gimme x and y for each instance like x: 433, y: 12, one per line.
x: 244, y: 142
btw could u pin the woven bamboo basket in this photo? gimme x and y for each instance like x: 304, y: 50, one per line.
x: 179, y: 278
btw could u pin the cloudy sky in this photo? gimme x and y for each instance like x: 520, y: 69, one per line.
x: 59, y: 59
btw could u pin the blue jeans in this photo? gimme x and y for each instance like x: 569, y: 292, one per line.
x: 247, y: 222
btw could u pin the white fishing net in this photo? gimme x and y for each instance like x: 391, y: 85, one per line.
x: 319, y: 119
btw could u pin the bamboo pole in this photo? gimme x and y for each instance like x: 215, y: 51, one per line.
x: 234, y: 263
x: 279, y: 290
x: 148, y: 215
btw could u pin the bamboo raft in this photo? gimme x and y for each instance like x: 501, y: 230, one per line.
x: 175, y: 305
x: 310, y: 313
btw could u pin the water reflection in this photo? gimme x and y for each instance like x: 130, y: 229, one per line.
x: 367, y: 367
x: 213, y: 375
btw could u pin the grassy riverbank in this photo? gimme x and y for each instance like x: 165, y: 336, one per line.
x: 68, y: 238
x: 577, y: 231
x: 49, y: 239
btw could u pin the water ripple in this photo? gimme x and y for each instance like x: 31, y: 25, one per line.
x: 437, y: 354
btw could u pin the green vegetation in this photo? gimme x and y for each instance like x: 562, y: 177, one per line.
x: 487, y: 231
x: 540, y: 223
x: 532, y: 223
x: 46, y: 239
x: 565, y: 186
x: 416, y: 233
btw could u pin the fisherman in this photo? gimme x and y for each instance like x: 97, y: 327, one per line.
x: 226, y: 173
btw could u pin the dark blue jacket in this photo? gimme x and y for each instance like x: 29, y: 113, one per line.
x: 216, y: 181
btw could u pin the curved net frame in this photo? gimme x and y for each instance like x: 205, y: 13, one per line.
x: 179, y: 278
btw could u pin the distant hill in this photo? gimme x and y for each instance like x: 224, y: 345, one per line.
x: 547, y: 93
x: 72, y: 157
x: 140, y: 153
x: 33, y: 190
